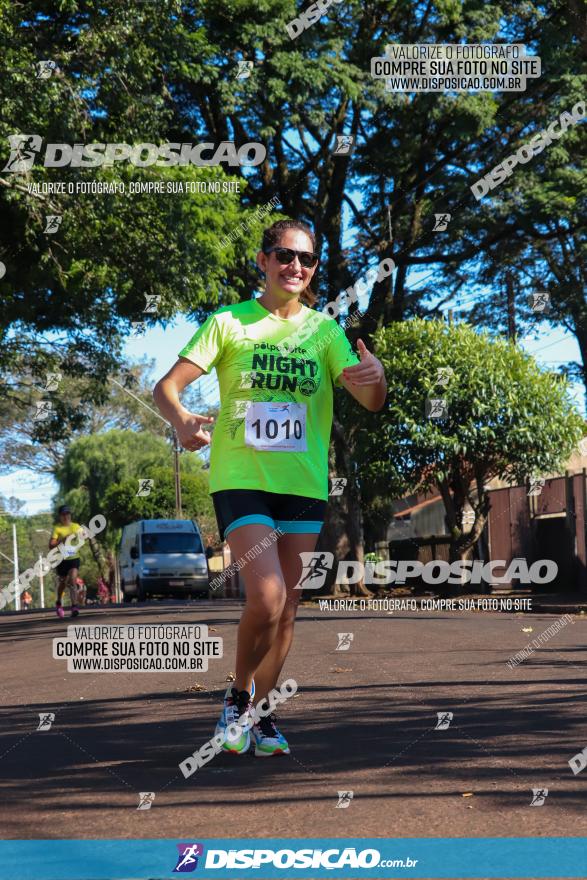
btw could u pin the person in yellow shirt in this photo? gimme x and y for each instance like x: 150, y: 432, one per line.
x: 68, y: 568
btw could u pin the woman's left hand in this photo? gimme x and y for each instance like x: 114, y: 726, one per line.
x: 368, y: 372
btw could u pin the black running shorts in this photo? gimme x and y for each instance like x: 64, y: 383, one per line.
x: 65, y: 567
x: 290, y: 513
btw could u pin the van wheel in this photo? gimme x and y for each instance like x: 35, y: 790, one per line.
x: 140, y: 591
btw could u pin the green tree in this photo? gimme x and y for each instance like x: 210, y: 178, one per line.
x: 79, y: 407
x: 122, y: 505
x: 529, y: 235
x: 501, y: 416
x: 69, y: 298
x: 93, y: 464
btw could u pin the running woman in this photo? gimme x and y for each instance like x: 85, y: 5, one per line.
x: 269, y: 453
x: 68, y: 568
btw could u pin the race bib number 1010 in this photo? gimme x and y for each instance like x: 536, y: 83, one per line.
x: 276, y: 427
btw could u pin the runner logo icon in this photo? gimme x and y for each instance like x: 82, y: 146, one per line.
x: 444, y: 719
x: 187, y: 859
x: 315, y: 567
x: 23, y: 150
x: 46, y: 719
x: 539, y: 796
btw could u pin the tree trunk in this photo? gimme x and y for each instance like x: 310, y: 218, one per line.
x: 342, y: 533
x: 354, y: 513
x: 578, y: 22
x: 462, y: 543
x: 580, y: 332
x: 99, y: 558
x: 333, y: 538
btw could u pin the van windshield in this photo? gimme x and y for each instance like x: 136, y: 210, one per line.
x: 172, y: 542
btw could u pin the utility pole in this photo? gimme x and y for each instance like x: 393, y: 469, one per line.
x: 41, y: 576
x: 511, y: 310
x: 15, y: 556
x: 390, y: 308
x: 176, y: 451
x: 41, y: 581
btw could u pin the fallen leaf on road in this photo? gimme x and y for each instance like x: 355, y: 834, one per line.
x: 527, y: 629
x: 230, y: 677
x: 194, y: 687
x: 468, y: 794
x: 340, y: 669
x: 212, y: 629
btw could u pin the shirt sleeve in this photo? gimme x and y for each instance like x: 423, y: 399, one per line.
x: 55, y: 536
x: 340, y: 354
x: 205, y: 346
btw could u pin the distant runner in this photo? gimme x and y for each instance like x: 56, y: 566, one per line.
x: 67, y: 570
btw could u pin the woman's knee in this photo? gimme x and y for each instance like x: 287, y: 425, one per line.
x: 268, y: 604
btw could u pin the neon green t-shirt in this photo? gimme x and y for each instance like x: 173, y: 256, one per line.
x: 276, y: 377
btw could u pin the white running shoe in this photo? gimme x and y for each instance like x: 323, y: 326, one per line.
x: 268, y: 740
x: 236, y: 704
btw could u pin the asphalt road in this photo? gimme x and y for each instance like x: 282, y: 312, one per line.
x: 364, y: 721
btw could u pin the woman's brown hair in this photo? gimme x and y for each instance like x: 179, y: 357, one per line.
x: 272, y: 237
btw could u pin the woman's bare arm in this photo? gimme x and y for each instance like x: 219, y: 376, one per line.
x: 166, y: 396
x: 366, y: 380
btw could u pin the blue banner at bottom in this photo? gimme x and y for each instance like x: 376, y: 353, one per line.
x: 500, y: 857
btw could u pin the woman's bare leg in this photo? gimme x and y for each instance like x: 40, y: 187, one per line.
x: 71, y: 582
x: 289, y: 548
x: 265, y: 600
x: 61, y: 584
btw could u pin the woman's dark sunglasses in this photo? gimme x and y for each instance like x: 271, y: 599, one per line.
x: 287, y: 255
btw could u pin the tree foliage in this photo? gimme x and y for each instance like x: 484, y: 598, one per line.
x: 122, y: 505
x: 500, y: 416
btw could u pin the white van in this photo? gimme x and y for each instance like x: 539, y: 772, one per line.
x: 162, y: 557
